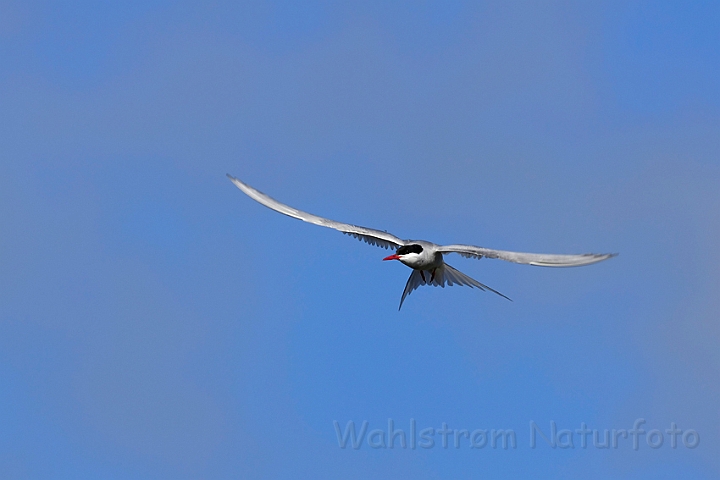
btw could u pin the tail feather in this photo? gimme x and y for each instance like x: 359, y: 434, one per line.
x: 444, y: 274
x: 462, y: 279
x: 413, y: 282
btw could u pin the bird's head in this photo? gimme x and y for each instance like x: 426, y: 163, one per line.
x: 406, y: 253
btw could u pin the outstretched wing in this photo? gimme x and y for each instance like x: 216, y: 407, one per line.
x: 539, y: 259
x: 369, y: 235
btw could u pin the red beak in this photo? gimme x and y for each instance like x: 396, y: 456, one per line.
x: 392, y: 257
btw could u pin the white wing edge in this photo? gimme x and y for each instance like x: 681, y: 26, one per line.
x: 537, y: 259
x: 369, y: 235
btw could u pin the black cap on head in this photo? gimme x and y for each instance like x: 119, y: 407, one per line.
x: 405, y: 249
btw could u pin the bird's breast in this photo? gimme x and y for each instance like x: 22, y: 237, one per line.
x: 425, y: 261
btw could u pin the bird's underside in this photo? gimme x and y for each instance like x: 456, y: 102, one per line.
x: 425, y: 258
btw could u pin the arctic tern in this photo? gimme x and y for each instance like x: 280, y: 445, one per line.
x: 425, y: 258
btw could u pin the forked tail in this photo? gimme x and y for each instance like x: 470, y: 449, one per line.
x: 445, y: 274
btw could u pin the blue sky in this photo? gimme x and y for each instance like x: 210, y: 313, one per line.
x: 157, y: 323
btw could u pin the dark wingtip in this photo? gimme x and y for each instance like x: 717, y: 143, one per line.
x: 505, y: 296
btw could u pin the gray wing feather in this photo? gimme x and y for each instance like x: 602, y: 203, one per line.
x: 539, y: 259
x: 369, y: 235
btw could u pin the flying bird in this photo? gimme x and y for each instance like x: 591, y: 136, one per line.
x: 425, y: 258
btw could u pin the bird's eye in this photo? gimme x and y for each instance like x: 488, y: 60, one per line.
x: 405, y: 249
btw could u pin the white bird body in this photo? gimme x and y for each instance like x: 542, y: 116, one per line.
x: 425, y: 258
x: 428, y: 259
